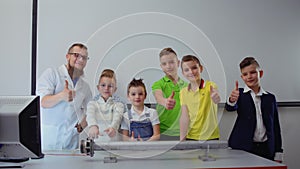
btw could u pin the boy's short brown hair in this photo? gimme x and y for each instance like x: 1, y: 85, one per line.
x: 188, y: 58
x: 166, y: 51
x: 108, y: 73
x: 248, y: 61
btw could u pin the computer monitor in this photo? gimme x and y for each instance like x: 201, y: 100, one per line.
x: 20, y: 134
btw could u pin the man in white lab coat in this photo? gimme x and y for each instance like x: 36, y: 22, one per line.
x: 64, y: 97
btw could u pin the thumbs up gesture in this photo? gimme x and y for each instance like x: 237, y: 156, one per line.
x: 214, y: 95
x: 170, y: 102
x: 235, y: 93
x: 68, y: 94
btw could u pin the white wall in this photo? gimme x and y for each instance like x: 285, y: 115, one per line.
x: 118, y: 34
x: 15, y: 47
x: 128, y: 35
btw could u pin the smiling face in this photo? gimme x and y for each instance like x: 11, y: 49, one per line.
x: 137, y: 95
x: 191, y: 70
x: 169, y: 64
x: 106, y: 87
x: 77, y: 58
x: 251, y: 76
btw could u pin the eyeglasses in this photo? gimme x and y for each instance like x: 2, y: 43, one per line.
x: 78, y: 56
x: 106, y: 85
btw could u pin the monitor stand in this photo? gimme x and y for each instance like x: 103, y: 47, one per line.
x: 12, y: 162
x: 13, y: 159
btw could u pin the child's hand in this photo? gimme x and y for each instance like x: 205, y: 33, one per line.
x: 170, y: 101
x: 214, y: 95
x: 132, y: 137
x: 135, y: 139
x: 94, y: 132
x: 111, y: 132
x: 139, y: 138
x: 234, y: 96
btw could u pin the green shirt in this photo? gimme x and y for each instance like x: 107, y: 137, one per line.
x: 169, y: 119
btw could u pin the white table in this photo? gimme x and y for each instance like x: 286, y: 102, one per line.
x: 152, y: 159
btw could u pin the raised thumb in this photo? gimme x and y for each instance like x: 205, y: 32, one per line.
x: 66, y: 84
x: 172, y: 95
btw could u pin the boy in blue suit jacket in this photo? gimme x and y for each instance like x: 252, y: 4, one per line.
x: 257, y: 128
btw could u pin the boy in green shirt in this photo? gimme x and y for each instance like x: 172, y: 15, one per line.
x: 166, y: 92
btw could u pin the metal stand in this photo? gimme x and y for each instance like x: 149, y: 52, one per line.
x: 88, y: 147
x: 110, y: 159
x: 206, y: 156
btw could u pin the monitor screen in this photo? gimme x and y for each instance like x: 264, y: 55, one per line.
x: 20, y: 135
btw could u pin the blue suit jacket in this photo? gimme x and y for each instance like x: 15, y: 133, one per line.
x: 242, y: 133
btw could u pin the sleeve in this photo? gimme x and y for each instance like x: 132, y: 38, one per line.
x: 232, y: 106
x: 181, y: 97
x: 278, y: 141
x: 46, y: 83
x: 154, y: 119
x: 91, y: 117
x: 122, y: 100
x: 229, y: 107
x: 118, y: 112
x: 214, y: 84
x: 125, y: 122
x: 156, y: 86
x: 87, y: 99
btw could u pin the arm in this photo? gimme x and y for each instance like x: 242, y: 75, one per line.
x: 125, y: 135
x: 118, y: 110
x: 91, y: 120
x: 125, y: 127
x: 66, y: 94
x: 277, y: 134
x: 233, y: 98
x: 184, y: 122
x: 214, y: 95
x: 168, y: 103
x: 91, y: 111
x: 230, y: 107
x: 156, y: 133
x: 80, y: 126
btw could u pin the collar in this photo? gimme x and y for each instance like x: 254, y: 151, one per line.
x: 260, y: 93
x: 179, y: 82
x: 167, y: 79
x: 66, y: 70
x: 201, y: 86
x: 133, y: 111
x: 101, y: 100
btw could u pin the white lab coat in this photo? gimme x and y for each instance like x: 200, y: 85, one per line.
x: 58, y: 123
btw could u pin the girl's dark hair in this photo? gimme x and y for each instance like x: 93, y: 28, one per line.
x: 136, y: 83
